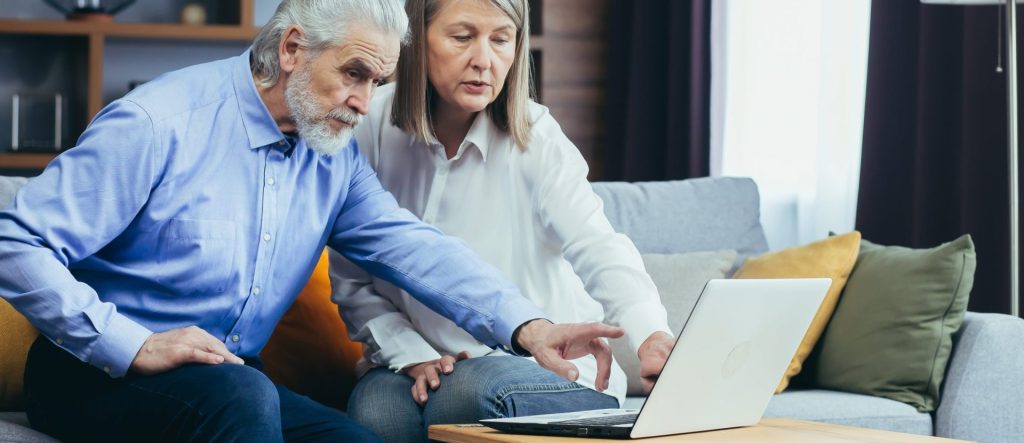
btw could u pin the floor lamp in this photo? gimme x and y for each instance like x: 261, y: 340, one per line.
x: 1011, y: 136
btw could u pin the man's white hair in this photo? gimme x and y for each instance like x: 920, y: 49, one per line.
x: 324, y: 23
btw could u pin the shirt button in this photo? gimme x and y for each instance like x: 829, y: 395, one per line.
x: 60, y: 341
x: 270, y: 182
x: 235, y: 338
x: 266, y: 236
x: 256, y: 291
x: 106, y: 369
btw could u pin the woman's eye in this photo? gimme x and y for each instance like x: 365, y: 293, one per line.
x: 500, y: 41
x: 462, y: 38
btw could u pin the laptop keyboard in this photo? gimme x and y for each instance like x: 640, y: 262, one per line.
x: 610, y: 420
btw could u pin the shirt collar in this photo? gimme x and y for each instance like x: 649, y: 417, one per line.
x: 259, y: 125
x: 480, y: 132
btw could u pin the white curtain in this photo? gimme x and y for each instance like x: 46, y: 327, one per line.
x: 788, y: 82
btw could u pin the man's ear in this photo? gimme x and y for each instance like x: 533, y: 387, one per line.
x: 289, y: 48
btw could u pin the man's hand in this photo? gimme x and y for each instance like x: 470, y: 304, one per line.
x: 429, y: 372
x: 554, y: 345
x: 167, y: 350
x: 653, y: 353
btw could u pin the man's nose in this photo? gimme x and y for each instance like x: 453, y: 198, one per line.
x: 359, y: 99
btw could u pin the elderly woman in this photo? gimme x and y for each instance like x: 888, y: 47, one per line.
x: 459, y: 143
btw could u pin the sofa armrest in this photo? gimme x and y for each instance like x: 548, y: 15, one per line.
x: 983, y: 395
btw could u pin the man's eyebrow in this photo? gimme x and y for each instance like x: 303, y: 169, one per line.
x: 361, y: 66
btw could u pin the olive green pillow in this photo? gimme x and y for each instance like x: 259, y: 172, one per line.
x: 892, y: 332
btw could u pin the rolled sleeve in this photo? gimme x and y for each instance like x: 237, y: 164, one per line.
x: 396, y: 344
x: 640, y: 321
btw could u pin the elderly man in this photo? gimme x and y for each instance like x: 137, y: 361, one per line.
x: 157, y: 256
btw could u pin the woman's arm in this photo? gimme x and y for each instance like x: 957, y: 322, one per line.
x: 607, y: 262
x: 374, y: 319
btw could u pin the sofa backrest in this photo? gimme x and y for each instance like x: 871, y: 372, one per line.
x: 8, y: 186
x: 701, y: 214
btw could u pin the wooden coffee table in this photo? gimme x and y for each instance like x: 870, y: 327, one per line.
x: 769, y: 430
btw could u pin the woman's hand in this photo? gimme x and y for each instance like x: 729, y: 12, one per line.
x: 429, y: 372
x: 653, y: 354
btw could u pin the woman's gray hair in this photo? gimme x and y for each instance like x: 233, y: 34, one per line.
x: 324, y: 23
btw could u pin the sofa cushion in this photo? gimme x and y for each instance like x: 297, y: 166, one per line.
x: 16, y: 337
x: 849, y: 409
x: 702, y: 214
x: 892, y: 332
x: 832, y: 257
x: 16, y: 332
x: 14, y: 428
x: 309, y: 351
x: 680, y: 278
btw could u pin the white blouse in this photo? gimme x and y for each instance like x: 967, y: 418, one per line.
x: 531, y: 213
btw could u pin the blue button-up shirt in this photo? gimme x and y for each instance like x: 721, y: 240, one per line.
x: 184, y: 204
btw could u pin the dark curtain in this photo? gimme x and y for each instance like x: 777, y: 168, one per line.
x: 934, y: 162
x: 658, y: 90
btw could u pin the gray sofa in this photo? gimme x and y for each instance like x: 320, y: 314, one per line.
x: 983, y: 395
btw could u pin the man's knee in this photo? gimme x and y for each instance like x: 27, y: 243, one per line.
x: 236, y: 401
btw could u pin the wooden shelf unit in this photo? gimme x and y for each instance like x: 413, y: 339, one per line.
x: 97, y: 34
x: 25, y: 160
x: 569, y: 49
x: 137, y: 30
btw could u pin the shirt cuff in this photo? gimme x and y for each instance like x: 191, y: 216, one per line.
x: 641, y: 320
x: 513, y: 313
x: 398, y: 344
x: 118, y: 345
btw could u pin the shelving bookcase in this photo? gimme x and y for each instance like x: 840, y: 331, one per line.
x: 96, y: 34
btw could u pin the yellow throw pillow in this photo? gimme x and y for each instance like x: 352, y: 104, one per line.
x: 16, y: 336
x: 309, y: 351
x: 832, y: 257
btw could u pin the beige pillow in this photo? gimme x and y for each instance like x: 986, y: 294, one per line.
x: 680, y: 278
x: 832, y: 257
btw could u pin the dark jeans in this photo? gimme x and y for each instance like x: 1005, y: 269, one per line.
x: 74, y: 401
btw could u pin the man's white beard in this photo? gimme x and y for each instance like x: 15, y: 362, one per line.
x: 313, y: 126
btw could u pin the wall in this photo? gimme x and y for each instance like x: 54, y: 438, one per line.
x: 574, y: 72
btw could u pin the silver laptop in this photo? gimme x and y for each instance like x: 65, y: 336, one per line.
x: 729, y: 357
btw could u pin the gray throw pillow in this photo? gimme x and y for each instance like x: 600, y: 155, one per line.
x: 680, y: 278
x: 892, y: 332
x: 8, y: 186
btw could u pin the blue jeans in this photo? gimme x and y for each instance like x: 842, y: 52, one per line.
x: 483, y: 387
x: 76, y: 402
